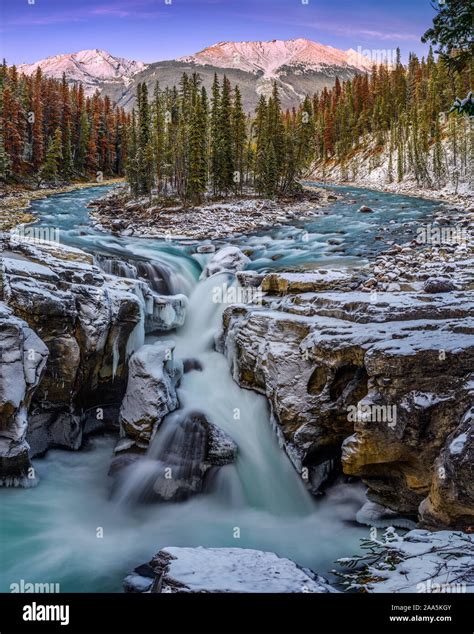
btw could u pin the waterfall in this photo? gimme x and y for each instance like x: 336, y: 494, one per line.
x: 262, y: 475
x: 156, y: 274
x: 260, y: 494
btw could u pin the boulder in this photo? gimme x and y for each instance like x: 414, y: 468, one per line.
x: 206, y: 248
x: 366, y: 210
x: 439, y: 285
x: 23, y: 358
x: 150, y: 393
x: 288, y: 283
x: 184, y: 449
x: 236, y: 570
x: 227, y: 260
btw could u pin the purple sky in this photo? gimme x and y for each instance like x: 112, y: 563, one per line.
x: 151, y: 30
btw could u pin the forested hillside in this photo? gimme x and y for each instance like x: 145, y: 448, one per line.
x: 50, y: 131
x: 394, y: 123
x: 399, y: 119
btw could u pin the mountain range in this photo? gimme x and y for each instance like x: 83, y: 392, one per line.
x: 299, y: 67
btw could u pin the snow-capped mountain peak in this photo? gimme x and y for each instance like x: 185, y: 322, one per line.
x: 268, y: 57
x: 299, y: 67
x: 90, y: 67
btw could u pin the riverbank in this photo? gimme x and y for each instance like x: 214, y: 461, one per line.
x: 463, y: 201
x: 376, y: 168
x: 15, y: 200
x: 217, y: 219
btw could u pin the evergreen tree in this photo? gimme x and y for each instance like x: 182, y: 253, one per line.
x: 452, y: 33
x: 51, y: 166
x: 132, y: 169
x: 4, y: 160
x: 144, y: 153
x: 82, y: 143
x: 239, y: 139
x: 197, y: 180
x: 225, y: 174
x: 67, y: 167
x: 37, y: 126
x: 215, y: 135
x: 259, y: 132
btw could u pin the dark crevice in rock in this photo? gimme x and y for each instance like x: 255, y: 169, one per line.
x: 317, y: 380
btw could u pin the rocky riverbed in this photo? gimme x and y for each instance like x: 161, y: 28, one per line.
x: 224, y: 218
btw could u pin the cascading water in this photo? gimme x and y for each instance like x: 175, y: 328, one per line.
x: 262, y: 473
x: 69, y: 531
x: 157, y: 275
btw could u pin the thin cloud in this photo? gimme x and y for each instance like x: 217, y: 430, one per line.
x: 378, y: 35
x: 124, y: 9
x: 330, y: 27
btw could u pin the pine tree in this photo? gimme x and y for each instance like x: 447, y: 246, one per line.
x: 438, y: 167
x: 82, y: 143
x: 159, y: 133
x: 37, y: 127
x: 67, y: 168
x: 259, y: 132
x: 132, y: 168
x: 239, y: 139
x: 275, y: 131
x: 215, y: 135
x: 4, y: 160
x: 51, y: 166
x: 225, y: 175
x: 197, y: 179
x: 144, y: 153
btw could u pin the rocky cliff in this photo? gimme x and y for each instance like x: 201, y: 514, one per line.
x: 371, y: 372
x: 67, y: 332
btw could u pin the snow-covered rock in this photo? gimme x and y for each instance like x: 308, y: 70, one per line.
x: 227, y: 260
x: 289, y: 283
x: 439, y: 285
x: 151, y: 391
x: 85, y: 323
x: 233, y: 570
x: 23, y: 358
x: 89, y: 323
x: 452, y: 489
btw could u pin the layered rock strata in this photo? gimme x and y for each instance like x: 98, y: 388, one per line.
x: 376, y: 382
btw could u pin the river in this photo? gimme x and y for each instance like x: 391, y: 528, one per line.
x: 69, y: 531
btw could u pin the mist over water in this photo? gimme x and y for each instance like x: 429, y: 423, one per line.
x: 53, y: 533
